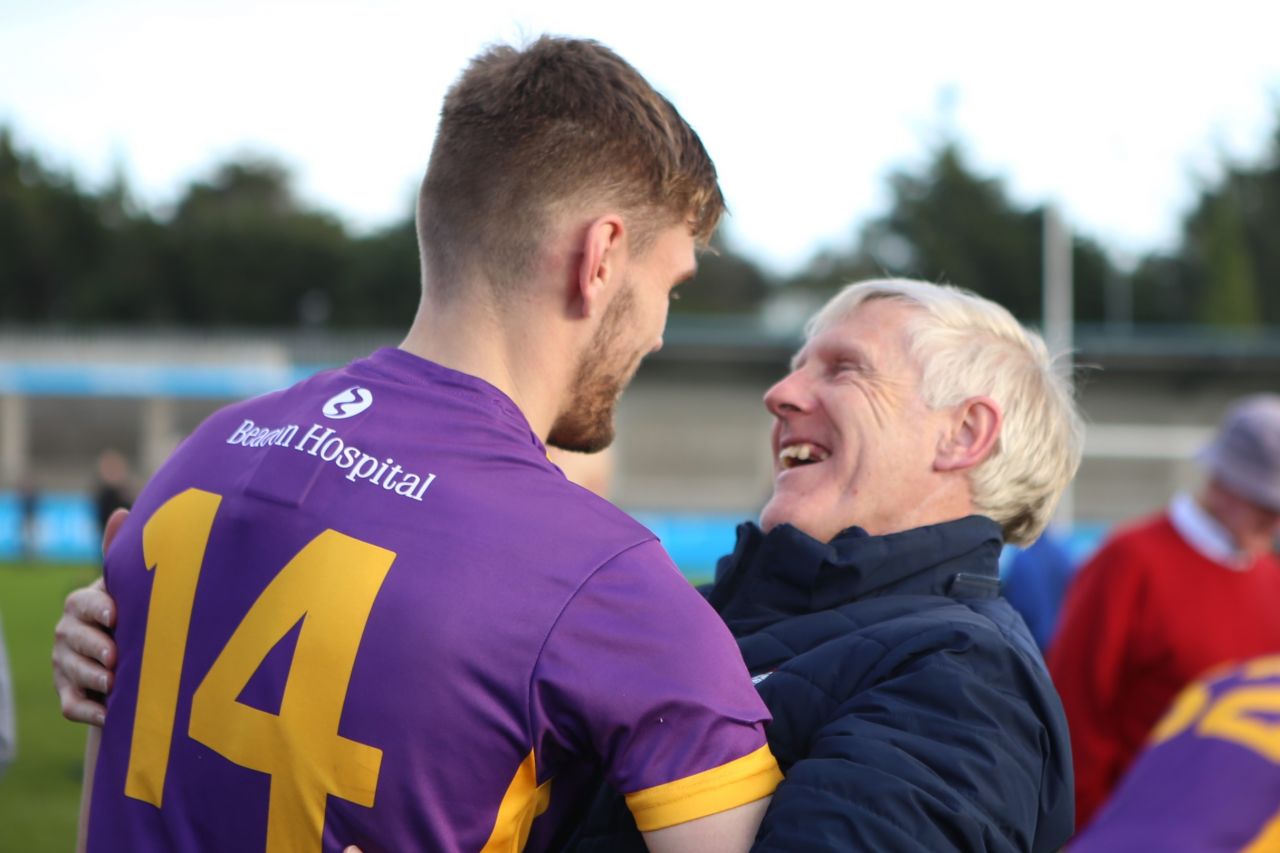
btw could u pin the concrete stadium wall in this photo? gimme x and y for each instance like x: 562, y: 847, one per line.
x: 693, y: 433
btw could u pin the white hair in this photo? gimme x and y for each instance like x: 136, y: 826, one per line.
x: 968, y: 346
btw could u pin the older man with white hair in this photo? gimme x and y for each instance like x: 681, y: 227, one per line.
x: 919, y: 428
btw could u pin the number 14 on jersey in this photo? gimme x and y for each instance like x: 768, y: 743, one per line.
x: 329, y: 585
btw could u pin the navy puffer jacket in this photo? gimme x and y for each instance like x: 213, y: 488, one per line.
x: 911, y: 708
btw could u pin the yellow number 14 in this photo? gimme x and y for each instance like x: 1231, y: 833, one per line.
x: 330, y: 585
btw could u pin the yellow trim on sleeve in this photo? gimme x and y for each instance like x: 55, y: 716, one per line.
x: 741, y: 781
x: 525, y: 799
x: 1267, y: 839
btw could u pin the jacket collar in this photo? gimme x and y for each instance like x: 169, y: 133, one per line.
x: 787, y: 572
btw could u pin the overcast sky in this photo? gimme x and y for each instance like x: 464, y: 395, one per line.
x: 1113, y: 109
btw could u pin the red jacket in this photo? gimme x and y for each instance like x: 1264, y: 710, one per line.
x: 1146, y: 616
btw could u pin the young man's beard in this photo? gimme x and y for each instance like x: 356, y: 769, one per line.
x: 587, y: 423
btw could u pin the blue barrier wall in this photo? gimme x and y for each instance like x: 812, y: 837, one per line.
x: 66, y: 530
x: 148, y: 380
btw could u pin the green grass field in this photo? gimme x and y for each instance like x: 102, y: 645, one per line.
x: 40, y: 794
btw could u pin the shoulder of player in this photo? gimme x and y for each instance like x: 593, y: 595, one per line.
x: 531, y: 483
x: 599, y: 526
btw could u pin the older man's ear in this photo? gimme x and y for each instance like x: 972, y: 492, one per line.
x: 972, y: 431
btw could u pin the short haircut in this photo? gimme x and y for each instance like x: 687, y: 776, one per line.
x: 968, y: 346
x: 527, y: 132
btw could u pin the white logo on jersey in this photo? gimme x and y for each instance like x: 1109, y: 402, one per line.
x: 349, y: 403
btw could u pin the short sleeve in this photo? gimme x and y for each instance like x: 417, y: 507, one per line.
x: 640, y: 675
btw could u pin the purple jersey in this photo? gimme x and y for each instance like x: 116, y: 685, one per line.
x: 1210, y: 778
x: 367, y: 610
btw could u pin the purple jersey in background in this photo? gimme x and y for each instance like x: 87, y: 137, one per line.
x: 367, y: 610
x: 1210, y: 778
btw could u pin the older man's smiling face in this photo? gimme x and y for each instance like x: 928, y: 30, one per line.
x: 853, y: 441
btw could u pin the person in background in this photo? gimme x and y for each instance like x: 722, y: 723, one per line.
x: 920, y: 427
x: 1036, y: 583
x: 28, y: 514
x: 1169, y: 597
x: 1208, y: 780
x: 111, y: 489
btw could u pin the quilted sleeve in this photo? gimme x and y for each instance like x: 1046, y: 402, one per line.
x: 943, y: 748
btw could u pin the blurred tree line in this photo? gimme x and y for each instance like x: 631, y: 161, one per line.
x: 240, y: 249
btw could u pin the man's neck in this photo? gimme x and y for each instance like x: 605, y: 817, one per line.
x: 1215, y: 512
x: 517, y: 358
